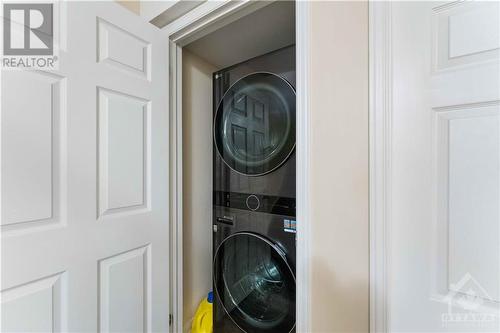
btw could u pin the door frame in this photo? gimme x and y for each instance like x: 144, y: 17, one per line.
x: 381, y: 129
x: 200, y: 21
x: 380, y: 120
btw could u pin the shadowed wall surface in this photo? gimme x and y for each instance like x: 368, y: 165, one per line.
x: 134, y: 6
x: 197, y: 181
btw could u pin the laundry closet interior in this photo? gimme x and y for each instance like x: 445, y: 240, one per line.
x: 238, y: 171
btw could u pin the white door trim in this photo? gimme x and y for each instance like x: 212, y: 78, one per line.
x: 380, y: 161
x: 198, y: 22
x: 175, y: 177
x: 303, y: 269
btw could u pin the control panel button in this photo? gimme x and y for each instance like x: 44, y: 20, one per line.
x: 253, y: 203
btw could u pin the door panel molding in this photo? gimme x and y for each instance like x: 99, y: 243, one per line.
x: 112, y: 289
x: 137, y: 59
x: 22, y: 209
x: 137, y: 127
x: 48, y: 296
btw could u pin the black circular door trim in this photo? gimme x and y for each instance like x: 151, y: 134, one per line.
x: 273, y: 246
x: 215, y: 127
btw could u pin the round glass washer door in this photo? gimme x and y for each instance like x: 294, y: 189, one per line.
x: 254, y: 128
x: 255, y: 284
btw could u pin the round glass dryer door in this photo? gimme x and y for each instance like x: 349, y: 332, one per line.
x: 254, y: 127
x: 255, y: 284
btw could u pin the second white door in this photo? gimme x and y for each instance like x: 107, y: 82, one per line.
x: 443, y: 222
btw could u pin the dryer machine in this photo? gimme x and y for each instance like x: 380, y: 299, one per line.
x: 254, y: 127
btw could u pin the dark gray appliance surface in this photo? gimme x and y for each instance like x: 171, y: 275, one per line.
x: 258, y: 205
x: 280, y: 182
x: 228, y: 222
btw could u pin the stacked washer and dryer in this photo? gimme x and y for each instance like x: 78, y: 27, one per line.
x: 254, y: 195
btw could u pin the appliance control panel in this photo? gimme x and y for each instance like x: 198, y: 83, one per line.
x: 255, y: 202
x: 290, y: 225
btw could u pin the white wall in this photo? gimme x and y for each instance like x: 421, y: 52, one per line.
x: 339, y: 166
x: 197, y: 178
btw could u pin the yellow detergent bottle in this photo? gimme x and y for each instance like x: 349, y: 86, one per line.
x: 202, y: 321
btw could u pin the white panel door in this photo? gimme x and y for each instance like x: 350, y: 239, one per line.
x: 84, y: 180
x: 444, y: 250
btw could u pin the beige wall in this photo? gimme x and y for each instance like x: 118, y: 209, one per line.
x: 134, y: 6
x: 197, y: 181
x: 339, y: 166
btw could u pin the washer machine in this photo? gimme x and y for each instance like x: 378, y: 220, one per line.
x: 254, y: 272
x: 254, y: 195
